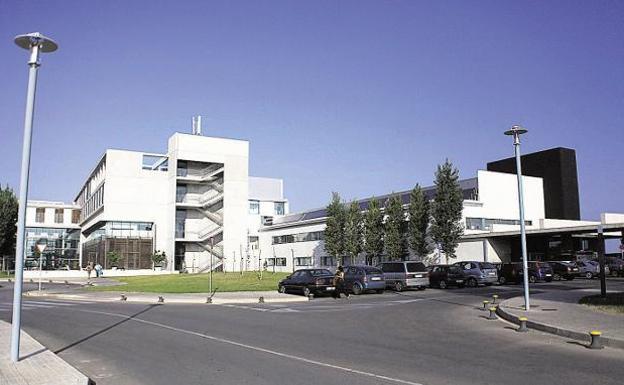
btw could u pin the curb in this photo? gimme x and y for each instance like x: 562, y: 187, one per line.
x: 567, y: 333
x: 198, y: 300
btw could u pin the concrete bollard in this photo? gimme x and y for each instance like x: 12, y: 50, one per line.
x: 209, y: 300
x: 161, y: 299
x: 261, y: 299
x: 123, y: 298
x: 310, y: 297
x: 10, y: 280
x: 494, y: 298
x: 485, y: 304
x: 596, y: 340
x: 31, y: 280
x: 523, y: 324
x: 66, y: 282
x: 49, y: 281
x: 492, y: 313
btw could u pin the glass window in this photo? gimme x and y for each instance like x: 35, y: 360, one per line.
x: 58, y: 215
x: 328, y: 261
x: 154, y: 162
x: 254, y: 207
x: 279, y: 208
x: 75, y: 216
x: 303, y: 261
x: 415, y: 266
x: 40, y: 215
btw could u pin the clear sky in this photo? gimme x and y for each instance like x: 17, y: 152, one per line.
x: 359, y: 97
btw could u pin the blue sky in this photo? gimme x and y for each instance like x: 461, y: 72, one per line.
x: 359, y: 97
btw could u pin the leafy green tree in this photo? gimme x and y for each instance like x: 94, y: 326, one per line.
x: 353, y: 231
x: 418, y: 222
x: 446, y: 226
x: 8, y: 221
x: 334, y: 229
x: 373, y: 231
x: 394, y: 229
x: 113, y: 258
x: 158, y: 258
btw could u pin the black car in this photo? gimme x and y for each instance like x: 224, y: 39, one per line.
x: 308, y: 281
x: 565, y: 270
x: 512, y: 272
x: 443, y: 276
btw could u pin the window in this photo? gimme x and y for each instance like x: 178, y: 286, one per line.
x: 279, y: 208
x: 299, y: 237
x: 75, y: 216
x: 415, y: 267
x: 254, y: 207
x: 303, y: 261
x: 40, y: 215
x: 276, y: 261
x: 58, y: 215
x: 154, y: 163
x: 328, y: 261
x: 486, y: 224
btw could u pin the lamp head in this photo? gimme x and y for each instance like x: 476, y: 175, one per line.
x: 516, y: 130
x: 34, y: 39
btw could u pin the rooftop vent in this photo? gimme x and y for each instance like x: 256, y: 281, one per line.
x: 197, y: 125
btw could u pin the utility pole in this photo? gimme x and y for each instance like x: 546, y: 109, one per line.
x: 601, y: 261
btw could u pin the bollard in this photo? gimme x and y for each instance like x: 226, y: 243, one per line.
x: 523, y: 324
x: 492, y: 313
x: 494, y: 298
x: 596, y: 341
x: 66, y: 282
x: 31, y: 280
x: 261, y: 300
x: 209, y: 300
x: 161, y: 299
x: 10, y: 280
x: 310, y: 297
x: 49, y: 281
x: 123, y: 298
x: 485, y: 304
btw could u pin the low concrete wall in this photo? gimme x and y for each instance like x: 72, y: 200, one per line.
x: 47, y: 274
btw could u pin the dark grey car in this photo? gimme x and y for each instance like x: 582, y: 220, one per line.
x: 478, y: 273
x: 362, y: 278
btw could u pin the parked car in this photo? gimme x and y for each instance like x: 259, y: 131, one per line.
x: 513, y: 272
x: 406, y: 274
x: 616, y: 265
x: 590, y: 269
x: 478, y: 273
x: 443, y: 276
x: 362, y: 278
x: 308, y: 281
x: 564, y: 269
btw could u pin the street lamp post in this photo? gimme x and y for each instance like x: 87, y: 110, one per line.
x: 35, y: 43
x: 41, y: 246
x: 211, y: 263
x: 516, y: 131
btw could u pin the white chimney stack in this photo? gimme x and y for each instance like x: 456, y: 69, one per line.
x: 197, y: 125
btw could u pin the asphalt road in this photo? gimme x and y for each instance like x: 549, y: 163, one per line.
x: 430, y: 337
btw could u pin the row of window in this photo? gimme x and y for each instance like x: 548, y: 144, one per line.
x: 300, y: 237
x: 278, y: 208
x: 301, y: 261
x: 58, y: 215
x: 486, y: 224
x: 94, y: 202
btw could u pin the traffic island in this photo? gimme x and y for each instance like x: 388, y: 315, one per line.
x: 561, y: 314
x: 37, y: 365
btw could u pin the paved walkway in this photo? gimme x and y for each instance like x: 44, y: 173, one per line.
x: 37, y: 366
x: 559, y: 312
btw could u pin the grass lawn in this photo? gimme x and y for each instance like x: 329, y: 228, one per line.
x: 4, y: 274
x: 196, y: 283
x: 614, y: 303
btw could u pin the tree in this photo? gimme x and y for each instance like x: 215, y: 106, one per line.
x: 353, y: 231
x: 446, y: 226
x: 394, y: 229
x: 418, y: 222
x: 113, y: 258
x: 373, y: 231
x: 158, y: 258
x: 334, y: 229
x: 8, y: 221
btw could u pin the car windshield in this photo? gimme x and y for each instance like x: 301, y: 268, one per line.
x: 317, y: 272
x: 486, y: 265
x: 415, y: 266
x: 372, y: 270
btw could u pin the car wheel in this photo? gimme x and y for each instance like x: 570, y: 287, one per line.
x: 532, y: 279
x: 556, y: 277
x: 442, y: 284
x: 472, y: 283
x: 356, y: 289
x: 281, y: 289
x: 398, y: 286
x: 502, y: 280
x: 589, y: 275
x: 306, y: 291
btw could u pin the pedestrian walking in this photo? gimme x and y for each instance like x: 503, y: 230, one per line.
x: 98, y: 270
x: 89, y: 269
x: 339, y: 283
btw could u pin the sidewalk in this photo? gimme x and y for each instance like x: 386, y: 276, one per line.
x: 558, y: 312
x: 185, y: 298
x: 37, y: 366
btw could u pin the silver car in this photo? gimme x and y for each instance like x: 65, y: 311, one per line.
x: 478, y: 273
x: 406, y: 274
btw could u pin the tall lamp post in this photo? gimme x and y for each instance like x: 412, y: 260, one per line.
x: 516, y: 131
x: 41, y: 246
x: 35, y: 43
